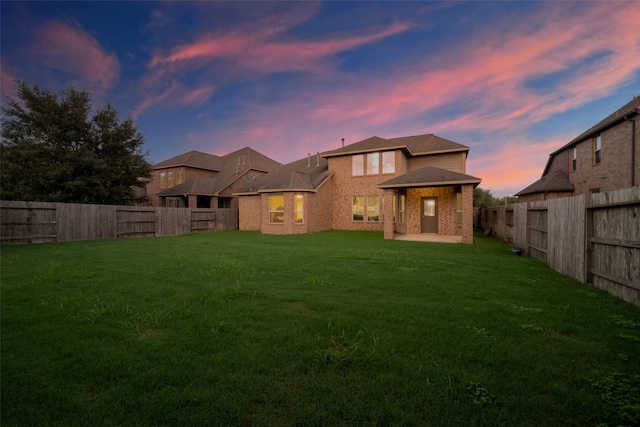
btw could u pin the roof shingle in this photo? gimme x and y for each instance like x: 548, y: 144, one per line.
x: 429, y: 177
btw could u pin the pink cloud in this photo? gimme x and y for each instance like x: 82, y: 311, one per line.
x: 176, y: 95
x: 492, y: 73
x: 73, y: 50
x: 261, y: 48
x: 258, y: 51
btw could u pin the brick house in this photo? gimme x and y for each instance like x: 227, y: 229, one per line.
x: 401, y: 186
x: 201, y: 180
x: 604, y: 158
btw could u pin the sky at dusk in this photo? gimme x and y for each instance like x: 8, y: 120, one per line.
x: 514, y: 81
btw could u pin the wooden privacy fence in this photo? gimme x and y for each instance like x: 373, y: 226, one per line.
x: 597, y: 244
x: 34, y: 222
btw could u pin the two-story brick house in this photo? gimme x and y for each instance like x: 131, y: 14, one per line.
x: 201, y: 180
x: 604, y: 158
x: 401, y: 186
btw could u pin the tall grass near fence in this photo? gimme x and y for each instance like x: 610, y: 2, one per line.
x: 336, y: 328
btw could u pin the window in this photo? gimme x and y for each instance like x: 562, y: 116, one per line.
x: 357, y: 165
x: 373, y: 209
x: 170, y: 179
x: 373, y: 163
x: 179, y: 177
x: 394, y: 207
x: 298, y: 209
x: 276, y: 209
x: 358, y: 208
x: 597, y: 147
x: 458, y: 208
x: 389, y: 162
x: 574, y: 158
x: 401, y: 207
x: 163, y: 180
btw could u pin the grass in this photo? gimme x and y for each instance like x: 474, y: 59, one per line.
x: 336, y: 328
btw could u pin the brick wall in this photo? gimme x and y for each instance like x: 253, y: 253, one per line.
x: 614, y: 170
x: 467, y: 214
x: 249, y: 208
x: 345, y: 187
x: 318, y: 208
x: 446, y: 209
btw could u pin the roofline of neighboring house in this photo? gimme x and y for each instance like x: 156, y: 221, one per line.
x: 176, y: 165
x: 431, y: 184
x: 186, y: 193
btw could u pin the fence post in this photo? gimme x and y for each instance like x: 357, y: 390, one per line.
x: 588, y: 245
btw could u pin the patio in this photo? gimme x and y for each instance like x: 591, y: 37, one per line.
x: 428, y: 237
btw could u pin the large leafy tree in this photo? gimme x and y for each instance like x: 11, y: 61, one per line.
x: 483, y: 198
x: 55, y: 149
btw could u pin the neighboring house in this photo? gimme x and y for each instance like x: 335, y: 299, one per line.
x: 604, y: 158
x: 409, y: 185
x: 201, y: 180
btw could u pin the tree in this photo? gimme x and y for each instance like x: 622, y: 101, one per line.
x: 55, y: 150
x: 483, y: 198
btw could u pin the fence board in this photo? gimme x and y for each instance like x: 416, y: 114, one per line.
x: 173, y: 221
x: 597, y: 244
x: 28, y: 222
x: 566, y: 236
x: 537, y: 235
x: 34, y: 222
x: 519, y: 230
x: 614, y: 243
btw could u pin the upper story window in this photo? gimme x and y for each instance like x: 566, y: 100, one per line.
x: 163, y: 180
x: 276, y: 208
x: 389, y: 162
x: 357, y: 165
x: 597, y: 148
x: 372, y: 165
x: 179, y: 176
x: 170, y: 179
x: 574, y: 158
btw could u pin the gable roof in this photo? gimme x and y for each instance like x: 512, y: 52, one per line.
x: 429, y: 177
x: 194, y: 159
x: 306, y: 174
x: 552, y: 182
x: 248, y: 158
x: 412, y: 145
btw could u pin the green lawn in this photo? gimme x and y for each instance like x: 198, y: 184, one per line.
x: 336, y: 328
